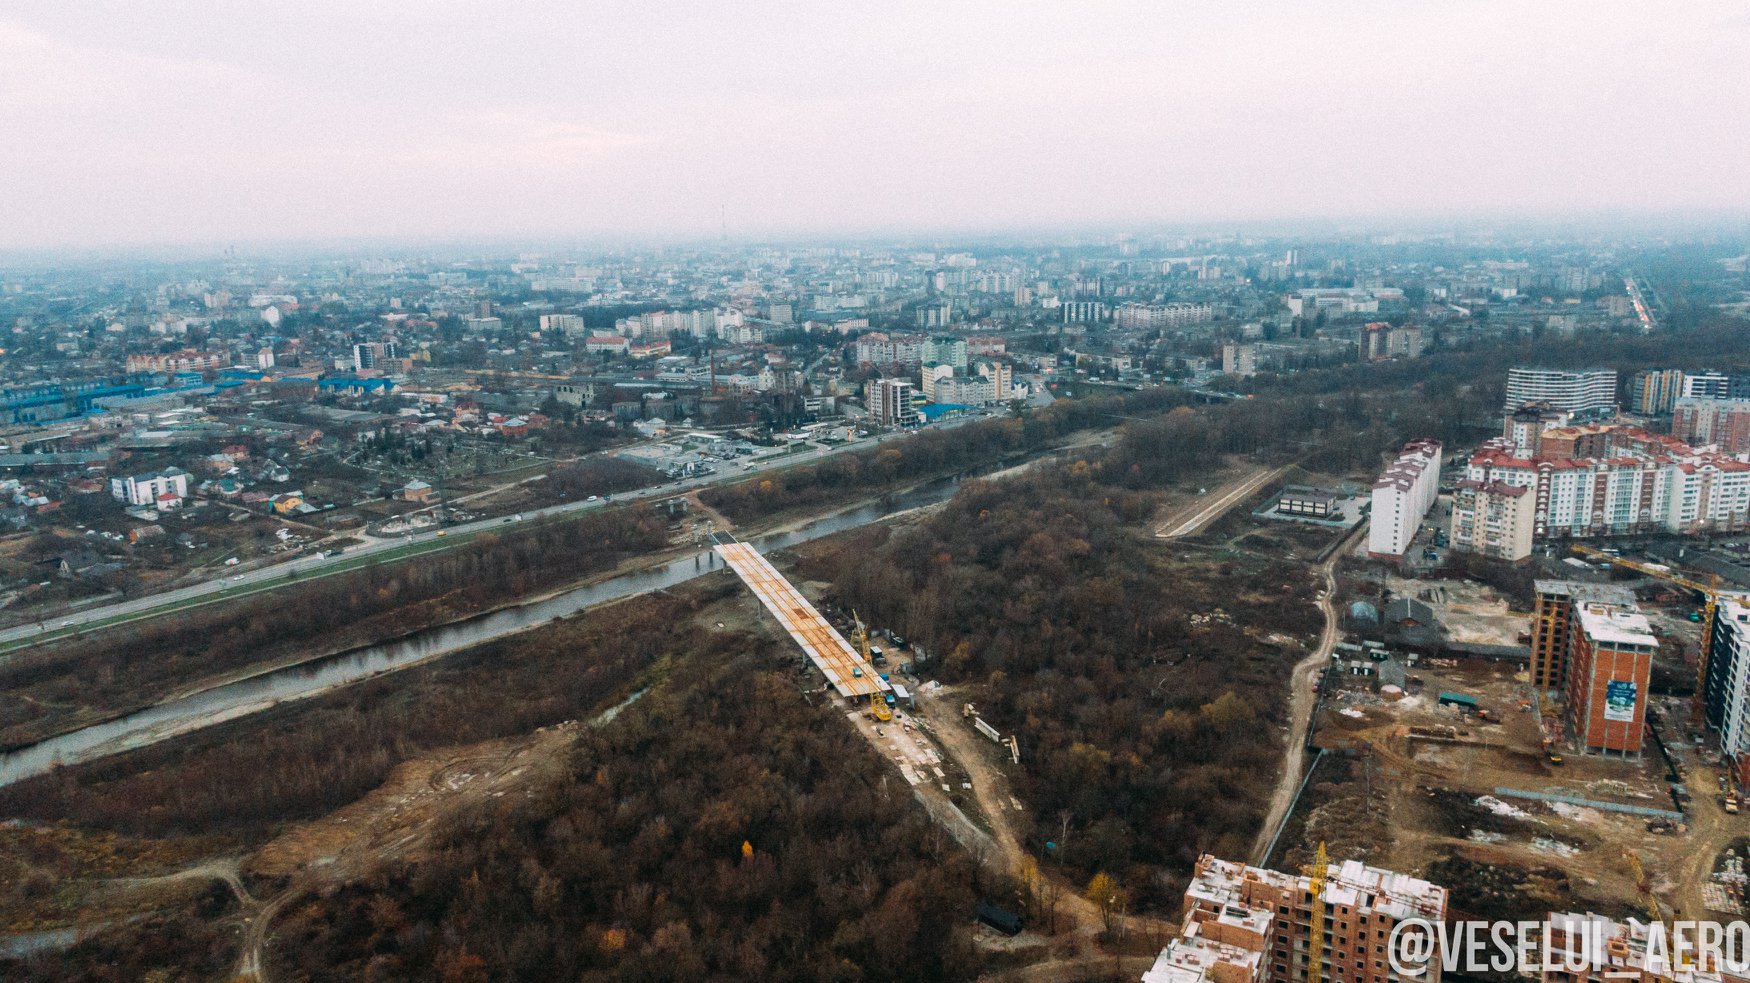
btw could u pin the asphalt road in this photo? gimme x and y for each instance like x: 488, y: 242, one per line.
x: 309, y: 566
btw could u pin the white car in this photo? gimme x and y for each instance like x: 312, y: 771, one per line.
x: 593, y: 498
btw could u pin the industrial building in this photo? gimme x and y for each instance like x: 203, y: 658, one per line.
x: 1402, y: 495
x: 1246, y: 924
x: 1585, y: 393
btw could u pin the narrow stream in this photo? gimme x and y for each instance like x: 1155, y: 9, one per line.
x: 257, y: 693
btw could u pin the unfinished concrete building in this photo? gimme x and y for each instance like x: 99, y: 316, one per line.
x: 1246, y: 924
x: 1551, y: 617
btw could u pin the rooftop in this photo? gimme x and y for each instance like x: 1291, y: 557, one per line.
x: 1614, y: 624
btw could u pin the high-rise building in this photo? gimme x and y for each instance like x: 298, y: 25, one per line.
x: 1381, y: 340
x: 370, y: 355
x: 1247, y: 924
x: 1584, y: 393
x: 1726, y: 688
x: 1654, y: 391
x: 1001, y: 376
x: 1552, y: 621
x: 1493, y: 519
x: 1706, y: 385
x: 1078, y: 311
x: 1609, y: 480
x: 945, y: 350
x: 1609, y: 665
x: 1718, y: 422
x: 1239, y: 359
x: 890, y: 402
x: 570, y: 325
x: 1402, y: 496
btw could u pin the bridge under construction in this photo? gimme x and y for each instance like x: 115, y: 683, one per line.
x: 842, y: 665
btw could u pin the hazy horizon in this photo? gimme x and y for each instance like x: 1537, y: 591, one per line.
x: 190, y: 124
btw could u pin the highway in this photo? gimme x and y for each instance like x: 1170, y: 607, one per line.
x: 381, y: 549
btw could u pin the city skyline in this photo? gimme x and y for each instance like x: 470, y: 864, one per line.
x: 210, y: 124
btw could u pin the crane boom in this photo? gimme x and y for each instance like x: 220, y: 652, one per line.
x: 1710, y: 591
x: 1315, y: 942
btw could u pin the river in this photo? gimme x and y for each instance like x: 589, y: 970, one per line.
x: 256, y: 693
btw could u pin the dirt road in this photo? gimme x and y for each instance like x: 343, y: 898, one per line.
x: 1217, y: 506
x: 1300, y: 701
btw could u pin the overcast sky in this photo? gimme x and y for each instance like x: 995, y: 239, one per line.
x: 167, y: 122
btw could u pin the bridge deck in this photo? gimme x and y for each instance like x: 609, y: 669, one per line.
x: 828, y: 649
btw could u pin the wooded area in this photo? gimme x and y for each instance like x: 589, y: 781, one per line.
x: 721, y: 829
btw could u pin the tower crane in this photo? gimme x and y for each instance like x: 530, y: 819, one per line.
x: 1315, y: 942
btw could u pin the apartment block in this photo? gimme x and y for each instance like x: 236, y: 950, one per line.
x: 570, y: 325
x: 1706, y: 385
x: 1246, y: 924
x: 1609, y: 665
x: 1151, y: 316
x: 1719, y: 422
x: 1240, y: 360
x: 1726, y: 687
x: 170, y: 484
x: 890, y: 402
x: 1402, y: 495
x: 1582, y: 392
x: 1655, y: 391
x: 1609, y: 480
x: 1381, y: 340
x: 1493, y: 519
x: 1523, y: 428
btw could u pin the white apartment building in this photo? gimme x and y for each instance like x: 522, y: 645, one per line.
x: 890, y: 402
x: 1613, y: 481
x: 570, y: 325
x: 1402, y: 495
x: 146, y: 489
x: 1726, y: 690
x: 1706, y: 385
x: 1581, y: 392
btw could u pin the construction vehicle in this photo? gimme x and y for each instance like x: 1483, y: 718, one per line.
x: 1710, y: 591
x: 877, y: 706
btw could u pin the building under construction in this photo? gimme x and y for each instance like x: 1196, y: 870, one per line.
x: 1246, y: 924
x: 1552, y: 618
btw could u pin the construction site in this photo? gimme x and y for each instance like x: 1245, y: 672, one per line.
x: 1535, y: 757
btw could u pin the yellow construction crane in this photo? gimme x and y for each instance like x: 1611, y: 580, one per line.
x: 1315, y: 941
x: 1709, y: 590
x: 1644, y: 887
x: 877, y: 705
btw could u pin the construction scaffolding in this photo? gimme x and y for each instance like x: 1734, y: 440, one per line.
x: 843, y: 667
